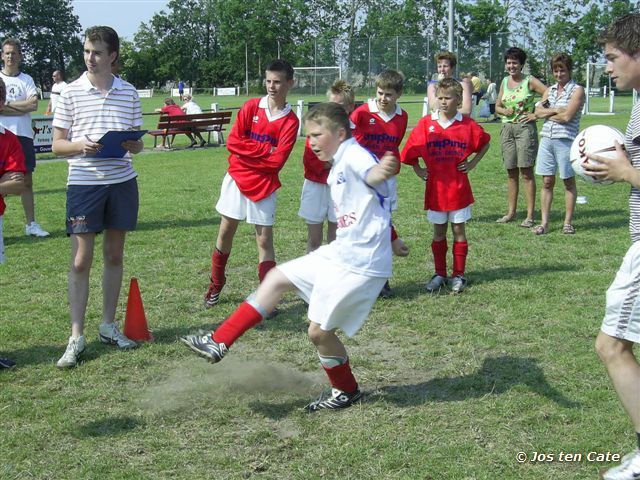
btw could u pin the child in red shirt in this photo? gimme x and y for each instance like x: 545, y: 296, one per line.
x: 445, y: 140
x: 12, y: 170
x: 379, y: 126
x: 259, y: 144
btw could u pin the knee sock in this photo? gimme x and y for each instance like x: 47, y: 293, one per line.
x: 245, y: 317
x: 460, y: 250
x: 218, y: 265
x: 264, y: 267
x: 340, y: 376
x: 439, y: 249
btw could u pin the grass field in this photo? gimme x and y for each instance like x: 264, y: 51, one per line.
x: 456, y: 386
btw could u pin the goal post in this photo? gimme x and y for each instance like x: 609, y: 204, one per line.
x: 315, y: 80
x: 600, y: 98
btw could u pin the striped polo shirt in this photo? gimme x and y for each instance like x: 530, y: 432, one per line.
x: 85, y: 112
x: 632, y: 145
x: 551, y: 129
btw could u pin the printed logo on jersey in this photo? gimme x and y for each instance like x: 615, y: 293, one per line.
x: 347, y: 220
x: 256, y: 118
x: 262, y: 138
x: 381, y: 138
x: 445, y: 149
x: 432, y: 129
x: 372, y: 121
x: 341, y: 178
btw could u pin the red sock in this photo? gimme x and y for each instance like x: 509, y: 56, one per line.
x: 264, y: 267
x: 342, y: 378
x: 439, y: 249
x: 460, y: 250
x: 239, y: 322
x: 394, y: 234
x: 218, y: 265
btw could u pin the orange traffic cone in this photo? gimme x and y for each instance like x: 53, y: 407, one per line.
x: 135, y: 321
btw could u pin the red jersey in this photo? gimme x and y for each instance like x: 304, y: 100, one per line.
x: 259, y: 146
x: 11, y: 157
x: 314, y: 169
x: 172, y: 110
x: 378, y: 132
x: 442, y: 149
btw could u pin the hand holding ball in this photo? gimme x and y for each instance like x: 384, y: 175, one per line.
x: 597, y: 140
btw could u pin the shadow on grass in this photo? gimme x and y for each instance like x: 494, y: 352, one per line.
x: 497, y: 375
x: 109, y: 427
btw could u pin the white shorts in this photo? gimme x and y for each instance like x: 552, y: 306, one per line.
x: 316, y: 205
x: 622, y: 315
x: 1, y: 241
x: 233, y: 204
x: 453, y: 216
x: 337, y: 298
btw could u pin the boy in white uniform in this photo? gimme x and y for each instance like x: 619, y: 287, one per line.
x: 621, y: 325
x: 339, y: 281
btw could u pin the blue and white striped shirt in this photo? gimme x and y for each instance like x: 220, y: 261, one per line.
x: 551, y: 129
x: 85, y: 112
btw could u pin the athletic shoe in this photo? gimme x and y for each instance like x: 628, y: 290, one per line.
x: 75, y: 348
x: 436, y: 283
x: 111, y: 334
x: 386, y: 291
x: 212, y: 297
x: 458, y: 284
x: 333, y: 399
x: 205, y: 346
x: 7, y: 363
x: 629, y: 468
x: 34, y: 230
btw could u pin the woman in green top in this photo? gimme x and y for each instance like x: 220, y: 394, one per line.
x: 519, y: 135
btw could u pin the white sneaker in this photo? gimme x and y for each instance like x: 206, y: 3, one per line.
x: 72, y: 353
x: 436, y: 283
x: 35, y: 230
x: 629, y: 468
x: 111, y: 334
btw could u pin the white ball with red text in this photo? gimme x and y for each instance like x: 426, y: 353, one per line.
x: 597, y: 140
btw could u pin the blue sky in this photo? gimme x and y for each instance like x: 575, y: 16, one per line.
x: 124, y: 16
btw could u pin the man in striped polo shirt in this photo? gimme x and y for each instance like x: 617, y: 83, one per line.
x: 102, y: 193
x: 621, y: 325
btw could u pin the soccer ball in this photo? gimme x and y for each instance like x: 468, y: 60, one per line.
x: 596, y: 139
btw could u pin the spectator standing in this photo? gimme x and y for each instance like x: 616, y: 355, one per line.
x: 56, y: 88
x: 15, y: 116
x: 102, y: 193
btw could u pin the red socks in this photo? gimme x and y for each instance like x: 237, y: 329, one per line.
x: 264, y: 267
x: 244, y: 318
x: 439, y: 249
x: 460, y: 250
x: 218, y: 265
x: 342, y: 378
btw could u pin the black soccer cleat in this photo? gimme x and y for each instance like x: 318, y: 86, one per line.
x: 334, y: 399
x: 205, y: 346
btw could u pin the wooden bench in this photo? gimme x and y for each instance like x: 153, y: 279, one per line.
x: 207, y: 122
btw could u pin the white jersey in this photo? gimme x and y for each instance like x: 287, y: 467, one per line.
x: 56, y: 88
x: 363, y: 214
x: 19, y: 88
x: 192, y: 108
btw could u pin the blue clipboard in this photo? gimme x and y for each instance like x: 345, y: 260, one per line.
x: 111, y: 142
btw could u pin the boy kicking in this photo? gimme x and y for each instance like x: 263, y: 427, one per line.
x: 621, y: 325
x: 339, y: 281
x: 445, y: 140
x: 259, y: 144
x: 379, y: 126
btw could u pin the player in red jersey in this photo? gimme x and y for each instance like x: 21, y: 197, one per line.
x: 259, y: 144
x: 315, y: 201
x: 380, y: 125
x: 445, y: 140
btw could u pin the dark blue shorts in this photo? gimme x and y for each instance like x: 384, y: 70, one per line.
x: 29, y: 153
x: 94, y: 208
